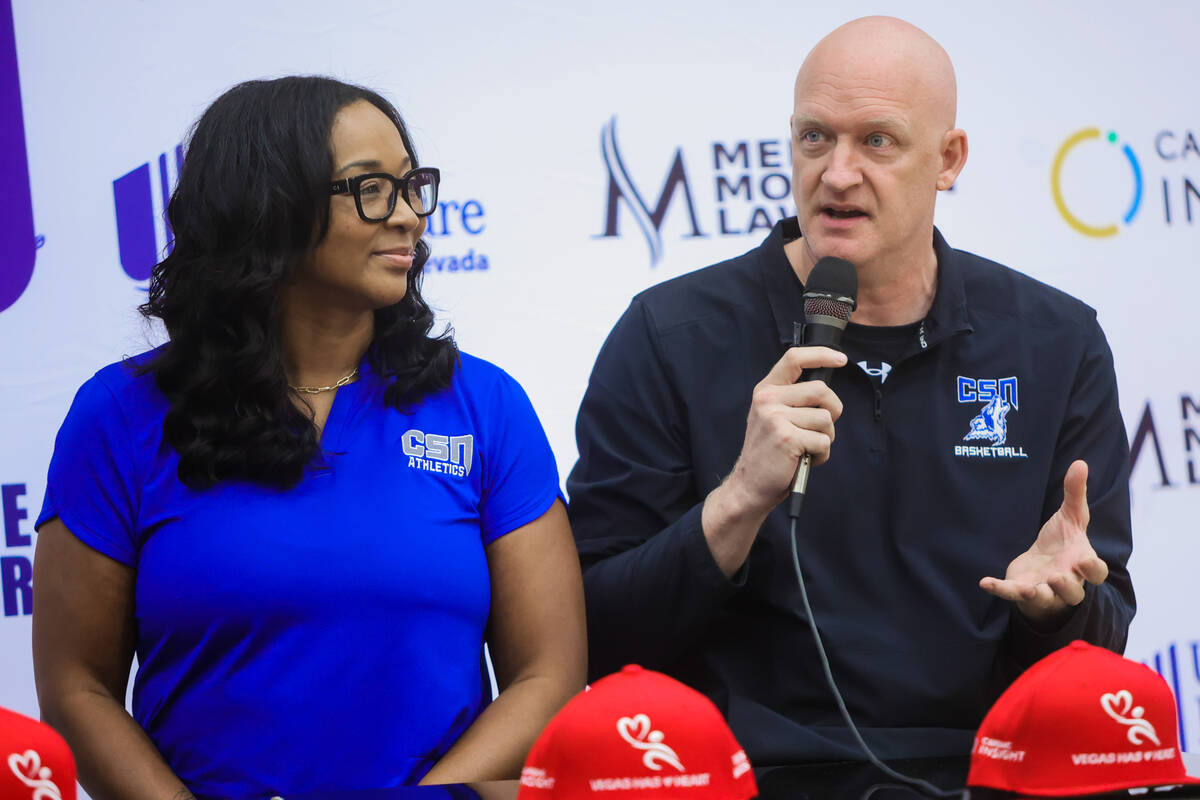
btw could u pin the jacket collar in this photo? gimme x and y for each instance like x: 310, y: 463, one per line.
x: 785, y: 293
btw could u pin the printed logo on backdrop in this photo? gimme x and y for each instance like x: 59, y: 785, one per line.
x: 989, y: 427
x: 743, y: 189
x: 1179, y: 665
x: 18, y: 242
x: 454, y: 229
x: 140, y: 199
x: 1169, y: 438
x: 144, y: 235
x: 16, y: 566
x: 1170, y: 191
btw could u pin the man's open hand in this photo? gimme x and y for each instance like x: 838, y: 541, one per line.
x: 1048, y: 578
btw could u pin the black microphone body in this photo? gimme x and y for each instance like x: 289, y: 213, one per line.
x: 824, y: 335
x: 829, y: 297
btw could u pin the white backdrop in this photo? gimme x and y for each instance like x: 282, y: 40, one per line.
x: 528, y: 109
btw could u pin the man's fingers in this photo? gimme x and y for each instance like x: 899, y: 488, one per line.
x: 813, y: 394
x: 1008, y: 590
x: 1093, y: 570
x: 1067, y: 587
x: 817, y: 445
x: 797, y: 359
x: 805, y: 430
x: 1075, y: 493
x: 811, y: 419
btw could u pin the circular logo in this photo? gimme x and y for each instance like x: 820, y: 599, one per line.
x: 1075, y: 222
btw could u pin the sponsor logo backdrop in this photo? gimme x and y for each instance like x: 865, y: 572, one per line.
x: 588, y: 152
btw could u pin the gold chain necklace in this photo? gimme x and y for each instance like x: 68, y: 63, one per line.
x: 319, y: 389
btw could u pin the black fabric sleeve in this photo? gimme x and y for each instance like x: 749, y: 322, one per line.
x: 1093, y: 431
x: 650, y: 580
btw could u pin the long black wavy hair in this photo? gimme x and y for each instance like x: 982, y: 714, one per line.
x: 251, y: 202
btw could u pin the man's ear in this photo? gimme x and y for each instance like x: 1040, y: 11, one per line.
x: 954, y: 157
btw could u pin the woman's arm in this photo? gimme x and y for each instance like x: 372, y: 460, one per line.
x: 538, y: 646
x: 83, y: 644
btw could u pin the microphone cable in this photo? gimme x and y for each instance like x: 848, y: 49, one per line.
x: 917, y: 783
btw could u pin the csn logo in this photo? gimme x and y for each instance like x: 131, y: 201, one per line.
x: 18, y: 242
x: 990, y: 425
x: 750, y: 186
x: 1178, y: 192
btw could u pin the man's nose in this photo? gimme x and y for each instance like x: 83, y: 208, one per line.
x: 842, y: 172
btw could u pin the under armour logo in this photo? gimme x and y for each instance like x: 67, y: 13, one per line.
x: 880, y: 371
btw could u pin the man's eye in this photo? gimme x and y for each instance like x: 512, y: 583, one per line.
x: 877, y: 140
x: 811, y: 137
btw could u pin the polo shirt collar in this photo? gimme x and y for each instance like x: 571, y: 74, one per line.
x: 785, y: 293
x: 948, y: 314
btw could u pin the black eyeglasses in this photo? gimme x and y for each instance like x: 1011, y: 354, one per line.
x: 375, y: 193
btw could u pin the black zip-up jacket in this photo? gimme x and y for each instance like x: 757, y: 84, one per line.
x: 898, y: 526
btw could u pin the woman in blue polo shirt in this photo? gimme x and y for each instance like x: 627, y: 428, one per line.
x: 304, y: 513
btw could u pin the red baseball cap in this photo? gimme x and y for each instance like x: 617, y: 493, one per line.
x: 35, y: 762
x: 638, y: 733
x: 1083, y: 720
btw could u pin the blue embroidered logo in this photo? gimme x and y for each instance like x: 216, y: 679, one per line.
x: 990, y: 422
x: 999, y: 396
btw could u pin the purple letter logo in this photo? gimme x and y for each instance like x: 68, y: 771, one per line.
x: 137, y: 228
x: 17, y: 246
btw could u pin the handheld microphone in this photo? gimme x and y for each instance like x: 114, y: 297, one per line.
x: 829, y: 297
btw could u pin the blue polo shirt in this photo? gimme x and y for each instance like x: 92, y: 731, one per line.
x: 325, y: 636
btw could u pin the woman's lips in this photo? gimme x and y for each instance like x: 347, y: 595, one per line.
x: 397, y: 258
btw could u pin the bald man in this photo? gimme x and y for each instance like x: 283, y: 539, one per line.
x: 970, y: 515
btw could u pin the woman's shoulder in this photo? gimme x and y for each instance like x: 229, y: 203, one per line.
x: 477, y: 375
x: 124, y: 387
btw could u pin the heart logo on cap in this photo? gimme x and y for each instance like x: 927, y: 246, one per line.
x: 27, y: 764
x: 1124, y: 698
x: 636, y: 731
x: 28, y: 768
x: 636, y: 728
x: 1120, y: 704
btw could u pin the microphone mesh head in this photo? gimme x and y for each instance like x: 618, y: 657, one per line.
x: 831, y: 290
x: 824, y: 305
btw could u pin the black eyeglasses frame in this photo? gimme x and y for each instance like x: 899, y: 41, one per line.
x: 400, y: 188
